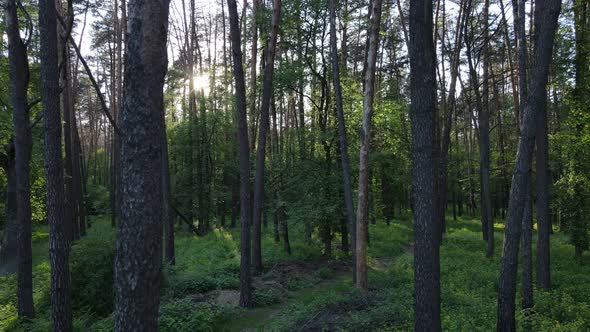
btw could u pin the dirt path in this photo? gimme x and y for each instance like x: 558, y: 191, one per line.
x: 255, y: 319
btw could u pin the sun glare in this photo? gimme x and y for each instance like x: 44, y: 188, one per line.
x: 201, y: 82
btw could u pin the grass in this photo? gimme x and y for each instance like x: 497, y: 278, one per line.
x: 326, y: 300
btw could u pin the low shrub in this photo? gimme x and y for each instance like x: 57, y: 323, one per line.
x: 266, y: 297
x: 91, y: 262
x: 185, y: 315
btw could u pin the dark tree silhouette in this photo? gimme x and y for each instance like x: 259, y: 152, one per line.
x: 422, y: 116
x: 262, y: 133
x: 545, y: 18
x: 19, y: 82
x: 138, y: 258
x: 59, y: 242
x: 245, y: 278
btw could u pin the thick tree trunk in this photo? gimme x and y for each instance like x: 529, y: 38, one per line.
x: 19, y: 82
x: 546, y: 14
x: 423, y: 92
x: 59, y: 244
x: 138, y: 260
x: 245, y: 278
x: 262, y: 132
x: 344, y: 159
x: 363, y: 193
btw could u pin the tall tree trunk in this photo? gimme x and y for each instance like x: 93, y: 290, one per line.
x: 363, y: 195
x: 344, y: 159
x: 263, y: 129
x: 448, y: 116
x: 543, y: 215
x: 484, y: 140
x: 518, y: 8
x: 9, y: 244
x: 77, y: 176
x: 508, y: 46
x: 83, y: 179
x: 114, y: 105
x: 423, y: 92
x: 59, y: 244
x: 482, y: 129
x: 245, y: 279
x: 138, y: 260
x: 67, y: 109
x: 546, y: 14
x: 276, y: 156
x: 19, y: 82
x: 253, y: 62
x: 527, y: 252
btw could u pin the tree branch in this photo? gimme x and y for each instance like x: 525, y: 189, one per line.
x: 92, y: 80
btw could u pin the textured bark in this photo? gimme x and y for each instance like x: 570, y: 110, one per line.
x: 138, y: 259
x: 262, y: 133
x: 363, y: 193
x: 543, y: 214
x: 546, y: 13
x: 59, y: 244
x: 344, y: 159
x: 19, y: 82
x: 422, y: 115
x: 9, y: 244
x: 527, y: 252
x: 245, y: 278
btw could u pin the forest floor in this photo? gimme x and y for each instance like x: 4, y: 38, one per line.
x: 306, y: 291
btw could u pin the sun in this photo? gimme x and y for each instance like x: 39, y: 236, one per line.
x: 201, y: 82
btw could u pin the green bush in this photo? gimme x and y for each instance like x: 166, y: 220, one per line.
x: 324, y: 273
x: 98, y: 196
x: 92, y: 273
x: 266, y: 297
x: 190, y: 283
x: 573, y: 198
x: 185, y: 315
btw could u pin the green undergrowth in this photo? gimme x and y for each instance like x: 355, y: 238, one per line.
x: 468, y: 291
x: 203, y: 264
x: 319, y: 298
